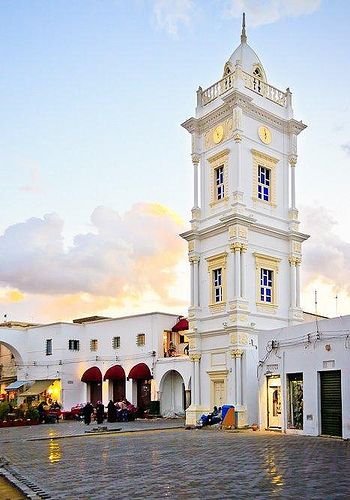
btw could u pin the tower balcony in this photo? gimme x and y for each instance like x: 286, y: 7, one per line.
x: 233, y: 81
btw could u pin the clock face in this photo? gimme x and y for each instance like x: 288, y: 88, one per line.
x: 265, y: 135
x: 218, y: 134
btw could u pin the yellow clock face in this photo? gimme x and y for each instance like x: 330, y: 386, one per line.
x: 218, y: 134
x: 265, y: 135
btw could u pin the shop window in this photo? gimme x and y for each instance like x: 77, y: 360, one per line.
x: 116, y: 342
x: 48, y: 347
x: 73, y: 345
x: 141, y: 339
x: 93, y: 345
x: 295, y: 400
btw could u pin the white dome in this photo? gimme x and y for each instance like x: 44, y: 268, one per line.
x: 245, y: 54
x: 248, y: 58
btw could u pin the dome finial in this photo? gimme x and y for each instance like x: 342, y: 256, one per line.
x: 243, y: 34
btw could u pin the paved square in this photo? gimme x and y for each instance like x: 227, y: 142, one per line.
x: 176, y: 463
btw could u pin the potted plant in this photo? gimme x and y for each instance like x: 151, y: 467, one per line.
x: 32, y: 415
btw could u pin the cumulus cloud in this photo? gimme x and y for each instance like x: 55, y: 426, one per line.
x: 124, y: 255
x: 170, y: 14
x: 326, y: 255
x: 269, y: 11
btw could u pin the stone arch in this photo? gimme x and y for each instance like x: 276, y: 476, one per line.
x: 17, y: 355
x: 172, y: 394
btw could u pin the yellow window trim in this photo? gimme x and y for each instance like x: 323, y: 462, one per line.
x: 263, y: 261
x: 269, y: 162
x: 216, y: 262
x: 218, y: 160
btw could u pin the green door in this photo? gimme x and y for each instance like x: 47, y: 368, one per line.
x: 331, y: 407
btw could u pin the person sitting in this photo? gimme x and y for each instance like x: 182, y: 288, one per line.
x: 212, y: 418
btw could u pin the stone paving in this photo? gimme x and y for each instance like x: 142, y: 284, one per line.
x: 185, y: 464
x: 71, y: 428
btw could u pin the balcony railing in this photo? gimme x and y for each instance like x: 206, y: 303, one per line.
x: 250, y: 82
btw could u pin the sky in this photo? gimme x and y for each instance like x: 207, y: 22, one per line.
x: 95, y: 167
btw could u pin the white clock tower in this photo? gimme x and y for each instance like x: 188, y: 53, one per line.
x: 244, y: 245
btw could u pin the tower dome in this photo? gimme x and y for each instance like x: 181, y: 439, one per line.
x: 248, y: 59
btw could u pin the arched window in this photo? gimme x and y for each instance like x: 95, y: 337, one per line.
x: 258, y: 73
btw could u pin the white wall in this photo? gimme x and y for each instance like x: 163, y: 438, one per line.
x: 331, y: 351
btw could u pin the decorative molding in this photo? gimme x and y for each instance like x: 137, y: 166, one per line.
x: 227, y: 126
x: 195, y: 158
x: 237, y: 353
x: 195, y: 357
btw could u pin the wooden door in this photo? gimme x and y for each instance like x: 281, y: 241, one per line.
x: 219, y: 393
x: 118, y: 390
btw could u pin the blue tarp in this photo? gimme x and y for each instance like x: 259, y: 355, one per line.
x: 16, y: 385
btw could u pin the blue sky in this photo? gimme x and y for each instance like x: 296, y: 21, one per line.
x: 93, y: 94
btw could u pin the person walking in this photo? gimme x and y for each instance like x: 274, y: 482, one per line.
x: 87, y: 412
x: 100, y: 412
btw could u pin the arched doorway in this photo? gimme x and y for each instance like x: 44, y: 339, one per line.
x: 141, y: 375
x: 10, y: 360
x: 93, y: 378
x: 116, y: 377
x: 172, y: 394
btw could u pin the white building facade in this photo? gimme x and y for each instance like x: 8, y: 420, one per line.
x: 104, y: 359
x: 244, y: 245
x: 304, y: 378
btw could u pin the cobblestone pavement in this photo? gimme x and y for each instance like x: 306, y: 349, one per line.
x: 196, y: 464
x: 69, y: 428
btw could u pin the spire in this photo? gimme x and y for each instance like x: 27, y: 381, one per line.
x: 243, y: 34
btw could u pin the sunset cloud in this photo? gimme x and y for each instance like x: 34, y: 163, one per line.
x: 326, y: 254
x: 124, y: 255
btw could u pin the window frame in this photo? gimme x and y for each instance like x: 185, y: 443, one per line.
x: 270, y: 264
x: 215, y: 263
x: 266, y: 285
x: 116, y: 342
x: 93, y: 345
x: 264, y: 183
x: 140, y: 336
x: 218, y: 161
x: 217, y: 285
x: 75, y: 343
x: 219, y: 173
x: 266, y: 161
x: 48, y: 350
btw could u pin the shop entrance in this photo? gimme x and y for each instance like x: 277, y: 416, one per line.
x: 331, y: 403
x: 274, y: 416
x: 95, y: 389
x: 118, y: 390
x: 143, y: 394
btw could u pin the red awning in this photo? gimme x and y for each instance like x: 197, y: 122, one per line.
x: 181, y: 325
x: 93, y: 374
x: 115, y: 372
x: 140, y: 371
